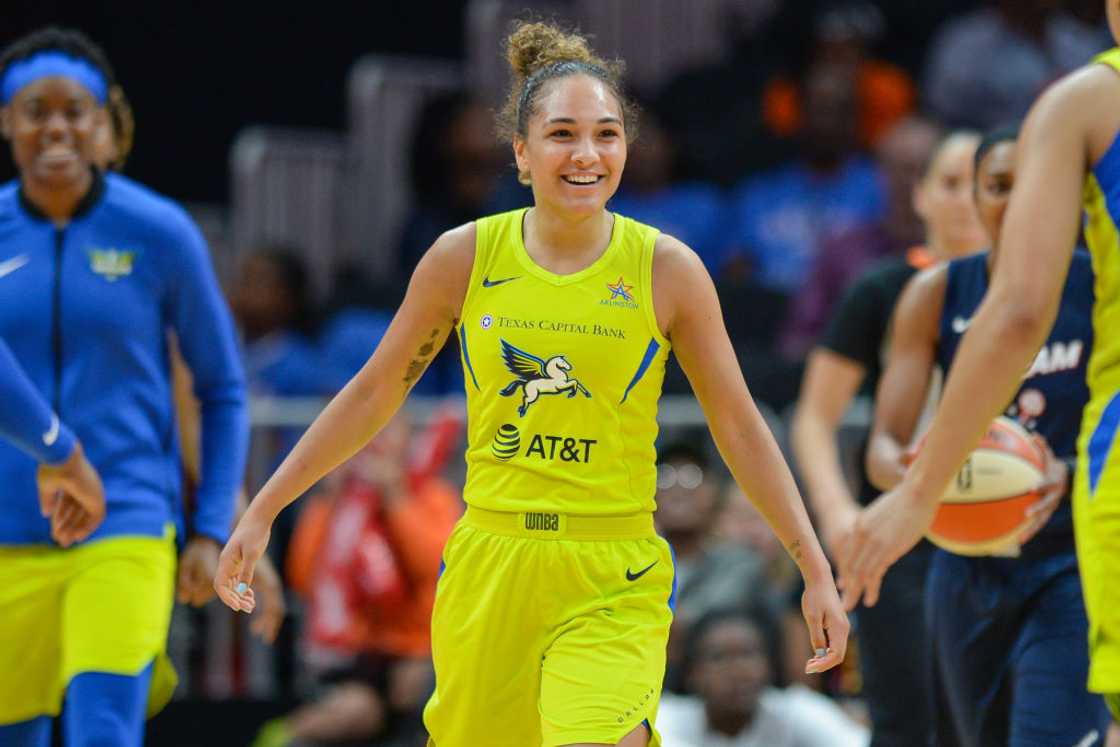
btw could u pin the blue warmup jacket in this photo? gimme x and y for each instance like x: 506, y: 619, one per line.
x: 25, y: 417
x: 86, y: 310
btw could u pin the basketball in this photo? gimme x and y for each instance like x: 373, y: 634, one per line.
x: 985, y: 505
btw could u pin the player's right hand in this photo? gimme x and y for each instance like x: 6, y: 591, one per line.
x: 1054, y: 487
x: 239, y: 558
x: 72, y: 496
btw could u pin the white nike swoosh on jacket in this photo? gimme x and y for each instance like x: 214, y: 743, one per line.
x: 8, y: 266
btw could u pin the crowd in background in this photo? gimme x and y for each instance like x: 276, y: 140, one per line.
x: 789, y: 169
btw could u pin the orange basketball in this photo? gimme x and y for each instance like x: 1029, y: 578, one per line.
x: 985, y: 506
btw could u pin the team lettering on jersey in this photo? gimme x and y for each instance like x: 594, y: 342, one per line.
x: 1056, y: 357
x: 552, y: 325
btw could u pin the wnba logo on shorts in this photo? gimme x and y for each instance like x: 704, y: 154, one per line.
x: 542, y: 522
x: 506, y: 442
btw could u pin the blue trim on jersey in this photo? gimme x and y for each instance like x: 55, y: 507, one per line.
x: 673, y: 593
x: 442, y: 568
x: 651, y: 350
x: 467, y: 355
x: 1100, y: 443
x: 1107, y: 170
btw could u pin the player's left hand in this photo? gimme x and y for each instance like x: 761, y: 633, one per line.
x: 197, y: 565
x: 884, y: 532
x: 1054, y: 487
x: 828, y: 624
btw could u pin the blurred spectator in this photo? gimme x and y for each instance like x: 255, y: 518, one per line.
x: 902, y: 156
x: 843, y: 34
x: 738, y: 522
x: 366, y: 557
x: 735, y: 704
x: 987, y: 67
x: 709, y: 573
x: 690, y: 211
x: 714, y: 111
x: 779, y: 218
x: 458, y: 174
x: 457, y: 167
x: 271, y: 303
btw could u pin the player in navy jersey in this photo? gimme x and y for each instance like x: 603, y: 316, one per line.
x: 1010, y: 630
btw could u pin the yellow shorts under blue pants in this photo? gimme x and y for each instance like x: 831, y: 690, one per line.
x: 549, y: 630
x: 100, y: 607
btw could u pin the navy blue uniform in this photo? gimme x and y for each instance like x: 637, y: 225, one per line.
x: 1010, y: 634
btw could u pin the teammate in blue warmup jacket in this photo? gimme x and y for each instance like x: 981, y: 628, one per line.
x: 98, y: 270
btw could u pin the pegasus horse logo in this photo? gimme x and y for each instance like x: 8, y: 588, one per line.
x: 536, y: 376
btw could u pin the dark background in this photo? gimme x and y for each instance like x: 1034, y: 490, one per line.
x: 196, y: 73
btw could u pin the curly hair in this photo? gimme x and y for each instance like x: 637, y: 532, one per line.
x: 123, y: 126
x: 538, y: 52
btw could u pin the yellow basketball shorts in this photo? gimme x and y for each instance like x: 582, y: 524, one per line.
x: 100, y: 607
x: 548, y: 630
x: 1096, y: 513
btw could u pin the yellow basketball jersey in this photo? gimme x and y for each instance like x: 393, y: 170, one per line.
x: 563, y: 374
x: 1102, y: 208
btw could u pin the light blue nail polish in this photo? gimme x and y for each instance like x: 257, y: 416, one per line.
x: 241, y: 587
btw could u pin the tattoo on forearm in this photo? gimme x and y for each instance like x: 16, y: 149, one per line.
x: 795, y: 550
x: 419, y: 364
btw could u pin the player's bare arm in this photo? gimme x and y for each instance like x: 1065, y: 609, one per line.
x: 418, y: 331
x: 1063, y: 135
x: 830, y: 383
x: 904, y: 385
x: 688, y: 311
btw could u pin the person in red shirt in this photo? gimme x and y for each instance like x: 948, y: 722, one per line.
x: 365, y: 557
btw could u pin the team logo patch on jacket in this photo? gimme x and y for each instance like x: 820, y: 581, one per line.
x: 111, y: 264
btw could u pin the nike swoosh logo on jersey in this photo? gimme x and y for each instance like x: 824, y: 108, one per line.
x: 8, y: 266
x: 488, y: 283
x: 960, y: 324
x: 635, y: 576
x: 52, y: 434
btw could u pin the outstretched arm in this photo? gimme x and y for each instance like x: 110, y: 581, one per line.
x: 904, y: 385
x: 1039, y: 235
x: 427, y: 315
x: 687, y: 305
x: 830, y: 382
x: 70, y: 491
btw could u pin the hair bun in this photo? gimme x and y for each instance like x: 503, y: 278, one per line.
x: 532, y: 46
